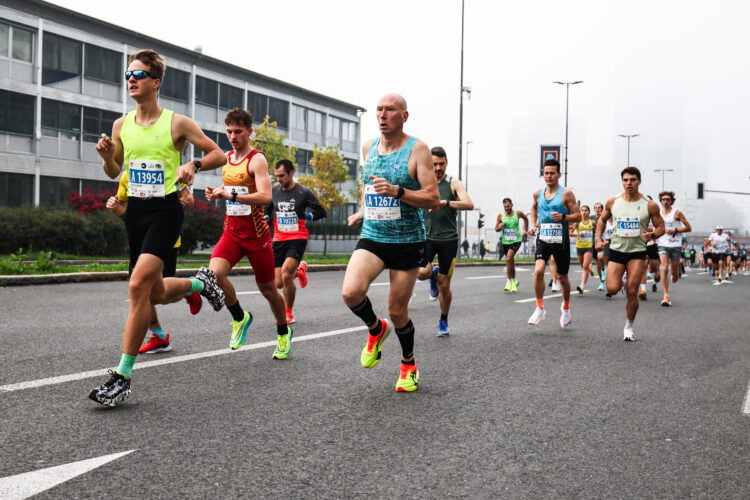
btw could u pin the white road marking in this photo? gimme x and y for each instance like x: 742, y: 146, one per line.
x: 534, y: 298
x: 32, y: 483
x: 746, y: 405
x: 247, y: 293
x: 486, y: 277
x: 61, y: 379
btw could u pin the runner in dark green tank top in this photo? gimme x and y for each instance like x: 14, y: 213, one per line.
x: 442, y: 237
x: 512, y: 237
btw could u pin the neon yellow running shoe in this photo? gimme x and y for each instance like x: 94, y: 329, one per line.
x: 408, y: 379
x: 239, y: 331
x: 514, y: 286
x: 371, y: 351
x: 284, y: 344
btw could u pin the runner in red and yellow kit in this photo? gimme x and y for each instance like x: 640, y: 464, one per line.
x: 247, y: 189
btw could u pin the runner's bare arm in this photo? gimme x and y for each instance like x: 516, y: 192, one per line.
x: 186, y: 197
x: 534, y: 216
x: 464, y: 201
x: 499, y: 222
x: 656, y: 220
x: 601, y: 224
x: 686, y: 225
x: 111, y: 150
x: 569, y: 202
x: 259, y: 168
x: 522, y: 216
x: 356, y: 218
x: 185, y: 128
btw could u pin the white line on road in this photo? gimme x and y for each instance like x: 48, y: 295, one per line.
x: 746, y: 405
x: 533, y: 299
x: 61, y: 379
x: 486, y: 277
x: 247, y: 293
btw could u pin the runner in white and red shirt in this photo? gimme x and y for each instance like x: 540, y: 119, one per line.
x: 292, y: 204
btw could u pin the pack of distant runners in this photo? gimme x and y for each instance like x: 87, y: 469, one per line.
x: 408, y: 215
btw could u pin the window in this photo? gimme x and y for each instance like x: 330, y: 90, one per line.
x: 349, y: 131
x: 353, y: 167
x: 103, y: 64
x: 4, y: 33
x: 303, y: 159
x: 315, y: 120
x: 230, y: 97
x: 257, y: 104
x: 96, y: 121
x: 61, y: 59
x: 176, y: 85
x: 61, y: 117
x: 333, y: 127
x: 278, y: 111
x: 16, y: 190
x: 206, y: 91
x: 219, y: 138
x: 54, y: 191
x: 22, y: 44
x: 299, y: 118
x: 17, y: 113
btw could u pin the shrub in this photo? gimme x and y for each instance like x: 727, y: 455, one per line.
x: 90, y: 201
x: 201, y: 227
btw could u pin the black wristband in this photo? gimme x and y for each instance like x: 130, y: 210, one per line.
x: 400, y: 192
x: 447, y: 203
x: 234, y: 197
x: 198, y: 165
x: 564, y: 216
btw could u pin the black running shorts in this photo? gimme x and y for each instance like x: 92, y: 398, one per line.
x: 511, y: 246
x: 446, y: 252
x: 153, y: 226
x: 652, y: 252
x: 560, y: 251
x: 398, y: 256
x: 625, y: 257
x: 289, y: 248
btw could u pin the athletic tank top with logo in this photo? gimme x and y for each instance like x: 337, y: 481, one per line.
x: 549, y: 230
x: 150, y: 158
x: 585, y: 235
x: 245, y: 221
x: 670, y: 240
x: 440, y: 225
x: 386, y: 219
x: 630, y: 221
x: 511, y: 228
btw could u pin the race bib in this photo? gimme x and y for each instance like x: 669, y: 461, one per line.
x: 607, y: 233
x: 510, y: 234
x: 235, y: 208
x: 379, y: 207
x: 551, y: 232
x: 146, y: 179
x: 586, y: 237
x: 287, y: 221
x: 628, y: 227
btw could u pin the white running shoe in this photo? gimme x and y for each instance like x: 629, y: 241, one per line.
x: 537, y: 317
x: 565, y: 318
x: 627, y: 334
x: 556, y: 286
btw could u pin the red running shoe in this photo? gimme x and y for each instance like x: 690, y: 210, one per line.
x: 155, y: 344
x: 302, y: 274
x: 195, y: 301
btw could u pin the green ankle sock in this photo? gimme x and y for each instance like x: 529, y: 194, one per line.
x: 196, y: 285
x: 126, y: 366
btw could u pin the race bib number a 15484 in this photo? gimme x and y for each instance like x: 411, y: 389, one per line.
x: 628, y: 227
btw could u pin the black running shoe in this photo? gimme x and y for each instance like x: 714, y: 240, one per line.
x: 113, y: 392
x: 211, y: 290
x: 653, y: 288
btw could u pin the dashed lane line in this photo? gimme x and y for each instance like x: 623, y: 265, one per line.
x: 61, y: 379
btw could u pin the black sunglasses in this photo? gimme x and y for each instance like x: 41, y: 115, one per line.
x: 138, y: 74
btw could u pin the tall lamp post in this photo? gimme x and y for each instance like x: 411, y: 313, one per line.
x: 464, y: 89
x: 567, y: 100
x: 466, y: 214
x: 663, y: 170
x: 628, y: 137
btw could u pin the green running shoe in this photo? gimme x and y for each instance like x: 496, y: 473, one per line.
x: 514, y: 286
x: 371, y: 351
x: 508, y: 286
x: 239, y: 331
x: 284, y: 344
x: 408, y: 378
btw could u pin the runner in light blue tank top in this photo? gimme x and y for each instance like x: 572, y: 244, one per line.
x: 407, y: 226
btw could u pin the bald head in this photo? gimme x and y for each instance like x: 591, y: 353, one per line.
x: 397, y: 99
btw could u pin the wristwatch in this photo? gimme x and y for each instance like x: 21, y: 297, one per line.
x: 198, y: 165
x: 564, y: 216
x: 234, y: 197
x: 400, y: 192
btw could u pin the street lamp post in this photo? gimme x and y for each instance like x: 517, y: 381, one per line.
x: 466, y: 214
x: 628, y: 137
x: 567, y: 100
x: 663, y: 170
x: 464, y: 89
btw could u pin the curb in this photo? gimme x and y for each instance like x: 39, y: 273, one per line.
x: 86, y: 277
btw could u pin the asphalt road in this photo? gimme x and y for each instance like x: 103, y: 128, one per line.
x: 504, y: 409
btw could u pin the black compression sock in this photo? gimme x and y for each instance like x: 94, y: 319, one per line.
x: 364, y: 312
x: 236, y: 310
x: 282, y: 329
x: 375, y: 331
x: 406, y: 338
x: 408, y: 362
x: 443, y: 317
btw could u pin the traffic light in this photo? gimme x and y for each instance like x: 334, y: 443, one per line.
x: 480, y: 223
x: 700, y: 190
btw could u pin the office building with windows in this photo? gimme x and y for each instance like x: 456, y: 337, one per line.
x: 62, y: 84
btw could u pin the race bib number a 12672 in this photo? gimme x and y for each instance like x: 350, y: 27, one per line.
x: 379, y: 207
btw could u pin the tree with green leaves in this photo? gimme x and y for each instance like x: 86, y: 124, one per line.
x: 268, y: 140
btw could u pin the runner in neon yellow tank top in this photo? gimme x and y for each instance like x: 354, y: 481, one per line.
x: 146, y: 144
x: 508, y: 222
x: 584, y: 231
x: 631, y: 213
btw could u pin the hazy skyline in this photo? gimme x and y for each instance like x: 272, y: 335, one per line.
x: 671, y: 71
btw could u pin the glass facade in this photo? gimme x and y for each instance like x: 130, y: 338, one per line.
x: 176, y: 85
x: 103, y: 64
x: 54, y: 191
x: 17, y: 113
x: 61, y: 58
x: 16, y: 189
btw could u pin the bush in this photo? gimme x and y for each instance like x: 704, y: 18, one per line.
x: 201, y: 227
x: 90, y: 201
x: 62, y: 230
